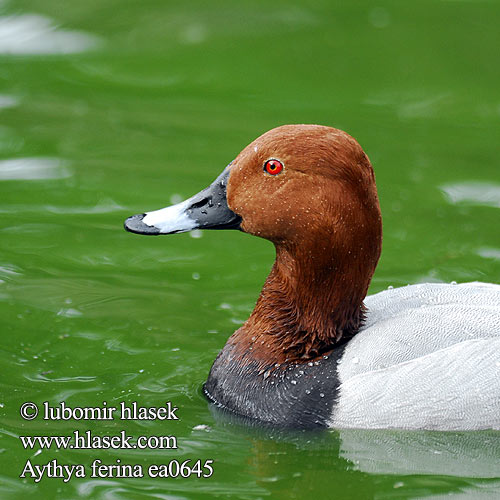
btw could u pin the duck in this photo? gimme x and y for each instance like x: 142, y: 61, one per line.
x: 317, y: 352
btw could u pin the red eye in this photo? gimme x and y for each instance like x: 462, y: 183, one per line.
x: 273, y: 167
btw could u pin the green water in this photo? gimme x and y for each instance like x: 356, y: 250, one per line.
x: 112, y: 108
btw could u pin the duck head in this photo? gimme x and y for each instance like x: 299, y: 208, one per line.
x: 310, y: 190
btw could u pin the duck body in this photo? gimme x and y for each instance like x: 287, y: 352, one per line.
x: 294, y: 395
x: 315, y: 352
x: 438, y: 367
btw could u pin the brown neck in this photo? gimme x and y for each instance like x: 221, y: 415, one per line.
x: 309, y: 302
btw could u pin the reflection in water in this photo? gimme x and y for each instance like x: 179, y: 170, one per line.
x: 479, y: 491
x: 282, y: 460
x: 480, y: 193
x: 104, y: 206
x: 33, y: 169
x: 489, y: 253
x: 34, y: 34
x: 8, y: 101
x: 463, y: 454
x: 194, y: 33
x: 8, y: 271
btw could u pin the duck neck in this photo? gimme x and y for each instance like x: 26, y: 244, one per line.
x: 308, y: 304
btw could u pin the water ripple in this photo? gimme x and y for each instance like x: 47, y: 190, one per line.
x: 33, y: 169
x: 32, y: 34
x: 104, y: 206
x: 43, y: 378
x: 8, y: 101
x: 480, y: 193
x: 489, y: 253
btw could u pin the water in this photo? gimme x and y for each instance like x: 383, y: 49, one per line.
x: 107, y: 110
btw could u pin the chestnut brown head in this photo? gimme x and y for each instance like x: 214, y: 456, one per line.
x: 309, y: 189
x: 305, y: 182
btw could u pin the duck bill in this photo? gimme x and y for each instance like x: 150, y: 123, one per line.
x: 206, y: 210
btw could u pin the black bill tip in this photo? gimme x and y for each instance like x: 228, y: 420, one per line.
x: 134, y: 224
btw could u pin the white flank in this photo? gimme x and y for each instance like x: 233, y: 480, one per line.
x: 171, y: 219
x: 428, y: 357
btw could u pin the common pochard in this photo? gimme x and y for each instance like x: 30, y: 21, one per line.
x: 312, y: 353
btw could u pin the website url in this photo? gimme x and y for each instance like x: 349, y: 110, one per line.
x: 89, y: 441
